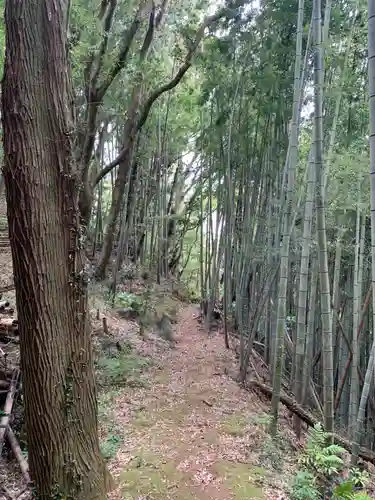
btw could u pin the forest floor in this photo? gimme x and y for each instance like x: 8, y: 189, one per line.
x: 188, y: 430
x: 175, y: 425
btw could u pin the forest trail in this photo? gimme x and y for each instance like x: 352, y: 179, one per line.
x: 192, y: 433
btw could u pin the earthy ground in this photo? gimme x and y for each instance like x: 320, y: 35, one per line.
x: 182, y: 428
x: 191, y: 431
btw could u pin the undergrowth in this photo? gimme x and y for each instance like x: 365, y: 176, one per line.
x: 125, y: 368
x: 129, y: 301
x: 323, y: 474
x: 273, y: 448
x: 110, y: 445
x: 112, y: 435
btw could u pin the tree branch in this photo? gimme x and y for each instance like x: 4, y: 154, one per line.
x: 87, y: 72
x: 124, y: 52
x: 149, y: 35
x: 164, y: 88
x: 107, y: 24
x: 161, y: 12
x: 180, y: 73
x: 91, y: 76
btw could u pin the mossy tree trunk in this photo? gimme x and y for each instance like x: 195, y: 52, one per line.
x: 42, y: 196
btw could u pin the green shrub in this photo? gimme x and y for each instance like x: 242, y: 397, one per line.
x: 320, y: 463
x: 345, y: 491
x: 359, y: 477
x: 129, y: 301
x: 127, y: 273
x: 304, y: 486
x: 110, y: 446
x: 325, y: 460
x: 124, y: 369
x: 263, y: 420
x: 272, y: 452
x: 111, y: 433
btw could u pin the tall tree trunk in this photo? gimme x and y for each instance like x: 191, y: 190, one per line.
x: 116, y: 204
x: 325, y: 295
x: 42, y: 197
x: 370, y: 366
x: 354, y: 382
x: 303, y: 288
x: 290, y: 165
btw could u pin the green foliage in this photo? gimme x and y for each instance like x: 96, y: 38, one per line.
x: 319, y: 461
x: 359, y: 477
x: 111, y: 433
x: 345, y: 491
x: 128, y: 273
x: 235, y: 425
x: 304, y: 486
x: 263, y: 420
x: 325, y: 460
x: 110, y: 446
x: 129, y: 301
x: 273, y: 451
x: 124, y: 369
x: 188, y: 289
x: 347, y: 167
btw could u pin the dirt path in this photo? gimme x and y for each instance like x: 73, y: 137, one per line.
x: 192, y: 433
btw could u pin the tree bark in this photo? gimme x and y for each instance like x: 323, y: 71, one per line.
x: 116, y: 203
x: 41, y: 182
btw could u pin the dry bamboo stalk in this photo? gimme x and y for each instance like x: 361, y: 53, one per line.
x: 4, y: 422
x: 18, y: 454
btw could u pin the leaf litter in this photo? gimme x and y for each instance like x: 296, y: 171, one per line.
x: 199, y: 421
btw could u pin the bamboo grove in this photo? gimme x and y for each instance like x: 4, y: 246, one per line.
x: 228, y: 147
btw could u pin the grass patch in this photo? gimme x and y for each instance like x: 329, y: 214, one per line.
x: 155, y: 478
x: 241, y: 479
x: 110, y: 446
x: 106, y: 401
x: 272, y: 453
x: 112, y: 434
x: 166, y: 304
x: 234, y: 425
x: 124, y: 369
x: 262, y: 420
